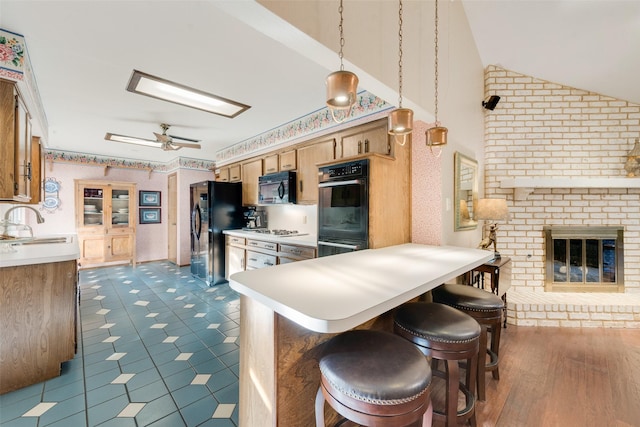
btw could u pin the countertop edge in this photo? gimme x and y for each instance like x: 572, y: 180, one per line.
x: 309, y: 240
x: 340, y: 325
x: 37, y: 254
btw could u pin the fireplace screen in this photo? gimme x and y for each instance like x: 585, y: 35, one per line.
x: 584, y: 259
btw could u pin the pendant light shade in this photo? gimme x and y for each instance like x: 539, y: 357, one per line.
x: 400, y: 119
x: 342, y: 89
x: 436, y: 135
x: 342, y: 86
x: 401, y: 122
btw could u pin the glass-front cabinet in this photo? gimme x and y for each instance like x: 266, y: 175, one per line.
x: 105, y: 221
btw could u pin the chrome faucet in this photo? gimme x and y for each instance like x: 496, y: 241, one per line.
x: 39, y: 217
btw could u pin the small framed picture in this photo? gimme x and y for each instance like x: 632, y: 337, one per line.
x: 149, y: 215
x: 149, y: 198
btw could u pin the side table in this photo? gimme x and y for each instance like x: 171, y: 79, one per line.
x: 500, y: 271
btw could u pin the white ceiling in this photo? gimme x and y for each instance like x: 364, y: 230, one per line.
x: 83, y: 54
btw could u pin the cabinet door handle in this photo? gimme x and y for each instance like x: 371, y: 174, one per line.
x: 28, y: 166
x: 287, y: 166
x: 366, y: 145
x: 359, y: 147
x: 301, y: 187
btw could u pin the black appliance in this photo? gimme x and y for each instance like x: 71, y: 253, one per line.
x: 215, y: 206
x: 343, y: 208
x: 277, y: 188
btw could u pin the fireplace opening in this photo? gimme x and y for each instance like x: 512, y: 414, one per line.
x: 584, y: 259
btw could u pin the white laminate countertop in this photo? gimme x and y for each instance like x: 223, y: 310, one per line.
x: 41, y: 253
x: 337, y: 293
x: 302, y: 240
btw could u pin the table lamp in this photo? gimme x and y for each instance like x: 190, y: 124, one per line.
x: 491, y: 210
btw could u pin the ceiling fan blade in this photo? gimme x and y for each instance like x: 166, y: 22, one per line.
x: 162, y: 138
x: 185, y: 144
x: 130, y: 140
x: 184, y: 139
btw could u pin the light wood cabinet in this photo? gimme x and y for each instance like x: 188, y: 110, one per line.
x: 251, y: 171
x: 235, y: 173
x: 235, y: 256
x: 15, y: 145
x: 105, y: 222
x: 366, y: 139
x: 307, y: 172
x: 287, y: 160
x: 271, y: 164
x: 223, y: 175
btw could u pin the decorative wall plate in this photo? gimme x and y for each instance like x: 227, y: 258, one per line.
x: 51, y: 185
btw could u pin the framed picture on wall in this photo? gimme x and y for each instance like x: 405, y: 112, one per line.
x: 149, y: 215
x: 149, y: 198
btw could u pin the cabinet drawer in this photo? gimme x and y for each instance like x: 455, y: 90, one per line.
x: 298, y: 251
x: 259, y: 260
x: 232, y: 240
x: 263, y: 245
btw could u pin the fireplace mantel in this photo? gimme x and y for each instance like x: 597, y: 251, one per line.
x: 526, y: 185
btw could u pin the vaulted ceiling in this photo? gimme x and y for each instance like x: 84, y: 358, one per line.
x: 83, y: 54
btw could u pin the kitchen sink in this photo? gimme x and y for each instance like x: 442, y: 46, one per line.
x: 45, y: 240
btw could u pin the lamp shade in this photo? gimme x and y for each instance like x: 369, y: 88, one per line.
x: 401, y: 121
x: 437, y: 136
x: 342, y: 88
x: 492, y: 209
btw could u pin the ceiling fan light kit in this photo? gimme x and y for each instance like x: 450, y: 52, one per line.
x: 159, y: 88
x: 164, y: 141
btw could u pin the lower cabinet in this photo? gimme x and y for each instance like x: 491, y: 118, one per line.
x: 251, y: 254
x: 38, y: 323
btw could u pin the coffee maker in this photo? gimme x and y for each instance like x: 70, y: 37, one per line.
x: 255, y: 218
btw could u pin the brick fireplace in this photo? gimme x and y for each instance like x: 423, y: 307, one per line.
x: 557, y: 155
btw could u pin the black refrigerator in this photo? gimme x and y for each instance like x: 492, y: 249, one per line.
x: 215, y: 206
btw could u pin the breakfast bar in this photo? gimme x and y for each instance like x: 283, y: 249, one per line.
x: 289, y: 310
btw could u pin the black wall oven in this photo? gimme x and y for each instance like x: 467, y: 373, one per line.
x: 343, y: 208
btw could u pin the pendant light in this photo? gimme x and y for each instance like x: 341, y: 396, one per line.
x: 400, y: 119
x: 342, y: 85
x: 436, y: 135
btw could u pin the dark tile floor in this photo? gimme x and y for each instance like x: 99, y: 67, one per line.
x: 156, y: 348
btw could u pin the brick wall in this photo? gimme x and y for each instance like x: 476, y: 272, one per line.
x: 544, y: 129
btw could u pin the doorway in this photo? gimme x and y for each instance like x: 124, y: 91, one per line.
x: 172, y: 231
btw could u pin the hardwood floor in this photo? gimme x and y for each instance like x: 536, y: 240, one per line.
x: 564, y: 377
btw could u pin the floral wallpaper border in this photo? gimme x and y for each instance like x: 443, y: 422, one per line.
x: 93, y: 160
x: 366, y: 105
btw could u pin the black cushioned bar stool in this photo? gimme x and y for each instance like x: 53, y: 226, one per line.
x: 446, y: 334
x: 487, y: 309
x: 374, y: 378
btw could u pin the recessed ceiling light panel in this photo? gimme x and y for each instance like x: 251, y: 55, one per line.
x: 156, y: 87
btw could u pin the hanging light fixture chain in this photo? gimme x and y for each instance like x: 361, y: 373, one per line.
x: 341, y: 29
x: 436, y: 62
x: 400, y: 55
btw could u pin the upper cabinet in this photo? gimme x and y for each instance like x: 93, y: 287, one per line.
x: 366, y: 139
x: 271, y: 164
x: 15, y: 146
x: 287, y: 160
x: 308, y: 159
x: 251, y: 171
x: 235, y: 173
x: 223, y: 175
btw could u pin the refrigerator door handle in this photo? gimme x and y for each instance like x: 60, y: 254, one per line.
x: 196, y: 222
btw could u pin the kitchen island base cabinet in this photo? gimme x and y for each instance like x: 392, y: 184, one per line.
x: 280, y: 361
x: 38, y: 322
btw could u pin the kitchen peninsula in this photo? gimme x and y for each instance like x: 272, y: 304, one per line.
x: 288, y: 311
x: 38, y: 303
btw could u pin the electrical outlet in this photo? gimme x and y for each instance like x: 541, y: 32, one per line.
x: 304, y: 219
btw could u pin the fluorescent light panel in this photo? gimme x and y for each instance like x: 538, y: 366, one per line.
x: 156, y: 87
x: 131, y: 140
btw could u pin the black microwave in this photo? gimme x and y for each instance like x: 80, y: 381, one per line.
x: 277, y: 188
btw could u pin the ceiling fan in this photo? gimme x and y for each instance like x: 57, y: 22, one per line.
x: 164, y: 141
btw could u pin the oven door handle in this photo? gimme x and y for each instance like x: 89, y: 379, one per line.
x: 339, y: 245
x: 339, y: 183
